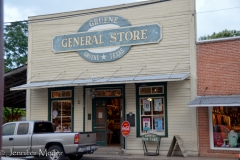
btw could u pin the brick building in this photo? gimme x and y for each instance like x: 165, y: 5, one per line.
x: 218, y: 100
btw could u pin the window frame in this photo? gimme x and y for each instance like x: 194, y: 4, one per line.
x: 19, y: 125
x: 50, y: 99
x: 151, y: 90
x: 13, y: 131
x: 160, y: 133
x: 211, y: 133
x: 138, y: 111
x: 61, y: 94
x: 97, y: 96
x: 60, y: 116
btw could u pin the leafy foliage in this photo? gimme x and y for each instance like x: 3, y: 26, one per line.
x: 15, y: 44
x: 223, y: 34
x: 8, y: 114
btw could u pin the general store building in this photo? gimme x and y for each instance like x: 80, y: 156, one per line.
x: 133, y: 60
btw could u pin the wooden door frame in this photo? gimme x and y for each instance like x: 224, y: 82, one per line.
x: 116, y: 86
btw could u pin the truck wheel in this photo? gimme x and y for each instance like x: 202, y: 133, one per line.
x: 55, y: 153
x: 75, y: 157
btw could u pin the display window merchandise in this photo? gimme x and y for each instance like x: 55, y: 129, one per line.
x: 225, y: 128
x: 152, y: 110
x: 61, y: 109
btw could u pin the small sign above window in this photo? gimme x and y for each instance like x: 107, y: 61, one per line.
x: 109, y: 93
x: 61, y: 94
x: 151, y: 90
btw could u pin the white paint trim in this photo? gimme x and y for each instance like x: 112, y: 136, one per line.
x: 211, y: 135
x: 193, y: 75
x: 29, y: 73
x: 215, y: 105
x: 219, y: 40
x: 210, y: 127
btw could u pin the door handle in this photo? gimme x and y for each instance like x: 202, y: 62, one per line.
x: 10, y: 139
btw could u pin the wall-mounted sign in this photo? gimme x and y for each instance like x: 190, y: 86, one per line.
x: 131, y: 119
x: 106, y: 38
x: 125, y: 128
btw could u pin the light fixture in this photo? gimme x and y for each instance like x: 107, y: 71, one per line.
x: 150, y: 99
x: 92, y: 93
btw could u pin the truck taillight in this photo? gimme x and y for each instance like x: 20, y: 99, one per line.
x: 76, y: 139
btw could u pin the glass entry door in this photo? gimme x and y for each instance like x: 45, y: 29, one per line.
x: 100, y: 120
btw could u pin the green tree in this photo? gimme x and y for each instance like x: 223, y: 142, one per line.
x: 15, y: 44
x: 223, y: 34
x: 16, y: 113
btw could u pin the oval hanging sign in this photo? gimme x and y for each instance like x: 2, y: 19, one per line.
x: 125, y: 128
x: 106, y: 38
x: 54, y: 113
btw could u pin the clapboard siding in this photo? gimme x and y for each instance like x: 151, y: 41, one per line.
x: 130, y: 106
x: 39, y: 104
x: 179, y: 114
x: 159, y: 58
x: 179, y: 117
x: 78, y: 109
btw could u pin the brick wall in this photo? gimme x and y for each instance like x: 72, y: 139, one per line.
x: 218, y: 70
x: 218, y: 67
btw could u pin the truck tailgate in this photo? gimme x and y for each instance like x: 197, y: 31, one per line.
x: 87, y: 138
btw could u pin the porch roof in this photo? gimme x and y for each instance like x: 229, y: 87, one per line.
x: 211, y: 101
x: 102, y: 81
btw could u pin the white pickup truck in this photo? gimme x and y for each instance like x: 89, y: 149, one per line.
x: 37, y: 138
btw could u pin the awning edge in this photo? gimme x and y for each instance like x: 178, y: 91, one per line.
x: 213, y: 101
x: 103, y: 81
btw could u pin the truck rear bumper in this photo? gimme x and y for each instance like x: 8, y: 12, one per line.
x: 86, y: 149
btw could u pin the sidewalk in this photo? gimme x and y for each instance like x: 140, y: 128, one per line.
x: 142, y: 157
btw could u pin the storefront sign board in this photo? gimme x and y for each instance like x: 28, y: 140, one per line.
x: 106, y: 38
x: 131, y: 119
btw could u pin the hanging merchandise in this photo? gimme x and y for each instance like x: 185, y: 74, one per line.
x: 214, y: 119
x: 224, y: 131
x: 233, y: 138
x: 219, y: 117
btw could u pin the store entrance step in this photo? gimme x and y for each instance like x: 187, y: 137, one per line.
x: 108, y: 150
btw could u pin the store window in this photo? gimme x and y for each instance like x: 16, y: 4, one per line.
x: 61, y: 94
x: 109, y: 93
x: 151, y: 110
x: 61, y: 110
x: 225, y: 124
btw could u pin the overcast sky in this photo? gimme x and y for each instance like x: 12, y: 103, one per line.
x: 212, y: 15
